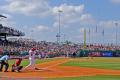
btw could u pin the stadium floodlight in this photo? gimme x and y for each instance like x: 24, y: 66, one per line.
x: 116, y: 24
x: 59, y: 30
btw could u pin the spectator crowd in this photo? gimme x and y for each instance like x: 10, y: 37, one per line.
x: 22, y: 46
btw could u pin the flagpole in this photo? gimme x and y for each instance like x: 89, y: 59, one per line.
x: 103, y: 36
x: 89, y: 35
x: 96, y: 34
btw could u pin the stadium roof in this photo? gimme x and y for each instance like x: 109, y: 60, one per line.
x: 9, y: 31
x: 3, y: 16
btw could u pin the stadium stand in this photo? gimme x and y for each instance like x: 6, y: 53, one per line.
x: 7, y: 32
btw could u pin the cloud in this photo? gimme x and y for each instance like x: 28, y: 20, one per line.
x: 28, y: 7
x: 72, y: 17
x: 35, y: 32
x: 69, y: 12
x: 73, y: 20
x: 108, y: 24
x: 87, y: 19
x: 69, y: 9
x: 42, y: 28
x: 72, y: 14
x: 115, y: 1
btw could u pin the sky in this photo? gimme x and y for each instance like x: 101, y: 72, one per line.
x: 39, y: 19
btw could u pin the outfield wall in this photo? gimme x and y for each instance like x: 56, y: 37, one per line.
x: 98, y: 53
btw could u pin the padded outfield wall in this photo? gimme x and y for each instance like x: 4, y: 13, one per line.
x: 98, y: 53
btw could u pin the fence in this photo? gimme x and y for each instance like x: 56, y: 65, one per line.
x: 98, y: 53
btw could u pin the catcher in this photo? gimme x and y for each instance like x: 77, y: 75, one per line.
x: 16, y: 66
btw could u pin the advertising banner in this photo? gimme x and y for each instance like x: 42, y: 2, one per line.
x: 107, y: 54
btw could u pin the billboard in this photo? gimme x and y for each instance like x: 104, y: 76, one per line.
x: 107, y: 54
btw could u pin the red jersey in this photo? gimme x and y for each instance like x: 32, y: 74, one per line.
x: 17, y: 63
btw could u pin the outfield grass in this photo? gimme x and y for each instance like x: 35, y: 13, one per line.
x: 89, y: 78
x: 102, y: 63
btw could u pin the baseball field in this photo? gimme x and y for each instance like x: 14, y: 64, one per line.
x: 99, y: 68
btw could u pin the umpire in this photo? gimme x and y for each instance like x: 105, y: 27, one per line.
x: 4, y: 61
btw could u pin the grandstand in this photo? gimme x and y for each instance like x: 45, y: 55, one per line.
x: 8, y: 32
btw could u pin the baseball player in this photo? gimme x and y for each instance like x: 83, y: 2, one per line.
x: 16, y: 66
x: 31, y: 65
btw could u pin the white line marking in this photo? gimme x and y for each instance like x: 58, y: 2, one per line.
x: 56, y: 64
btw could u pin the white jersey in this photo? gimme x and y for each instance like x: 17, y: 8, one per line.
x: 32, y: 54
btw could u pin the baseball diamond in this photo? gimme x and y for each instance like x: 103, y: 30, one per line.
x: 59, y: 39
x: 68, y: 68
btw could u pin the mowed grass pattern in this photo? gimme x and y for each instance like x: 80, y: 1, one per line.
x: 101, y: 63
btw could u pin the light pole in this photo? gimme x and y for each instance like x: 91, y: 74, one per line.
x: 59, y: 27
x: 63, y: 37
x: 116, y: 24
x: 31, y: 33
